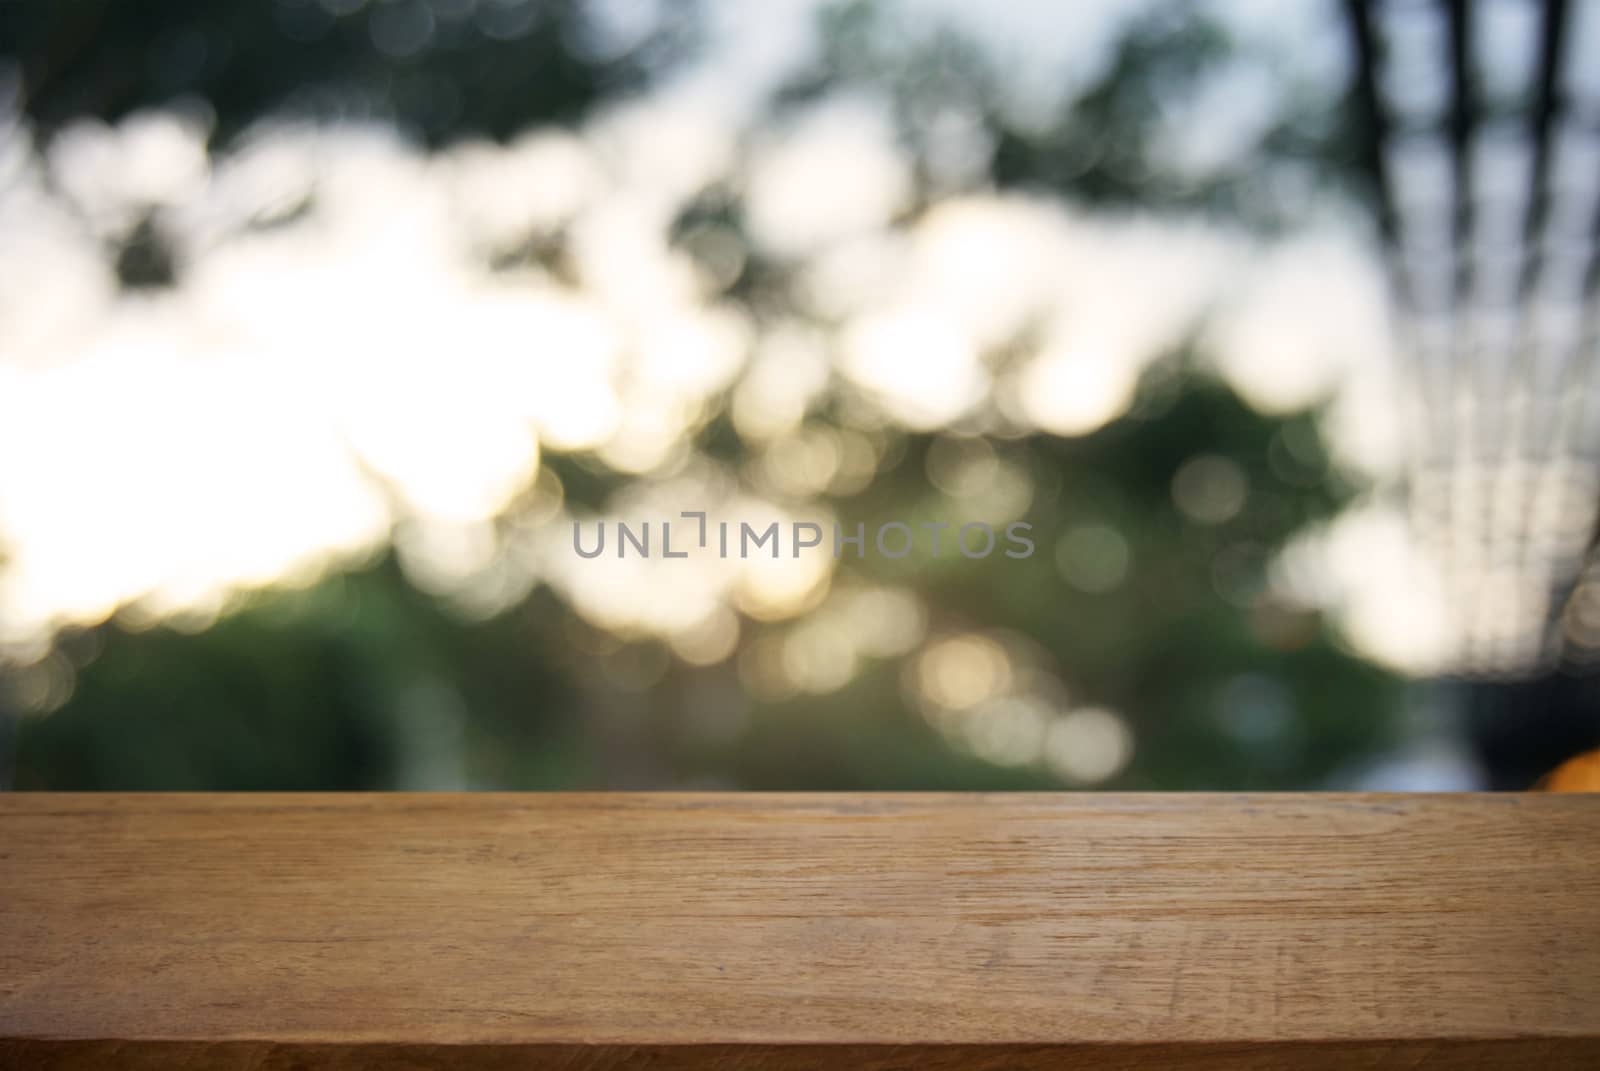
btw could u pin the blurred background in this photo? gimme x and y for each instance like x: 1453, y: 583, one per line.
x: 323, y: 321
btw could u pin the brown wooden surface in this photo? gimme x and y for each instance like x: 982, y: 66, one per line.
x: 596, y: 931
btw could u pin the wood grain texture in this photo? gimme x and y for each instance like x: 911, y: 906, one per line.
x: 765, y: 932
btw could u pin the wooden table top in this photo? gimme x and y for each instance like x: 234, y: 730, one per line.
x: 749, y: 931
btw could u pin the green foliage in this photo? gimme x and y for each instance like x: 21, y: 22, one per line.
x: 362, y: 682
x: 452, y: 70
